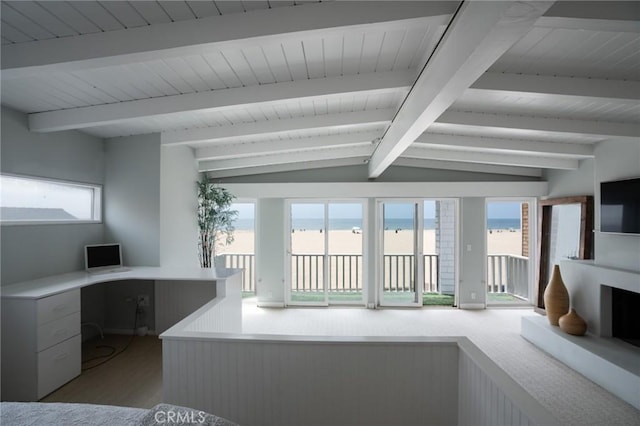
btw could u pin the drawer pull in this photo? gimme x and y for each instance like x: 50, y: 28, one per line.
x: 61, y: 356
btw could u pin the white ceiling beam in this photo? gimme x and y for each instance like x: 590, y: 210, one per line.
x: 468, y: 143
x: 478, y: 35
x: 215, y: 100
x: 467, y: 167
x: 429, y: 153
x: 291, y: 157
x: 289, y: 167
x: 231, y: 31
x: 542, y: 124
x: 346, y: 120
x: 249, y: 149
x: 608, y: 16
x: 569, y: 87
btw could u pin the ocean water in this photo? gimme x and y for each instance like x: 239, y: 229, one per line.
x: 348, y: 224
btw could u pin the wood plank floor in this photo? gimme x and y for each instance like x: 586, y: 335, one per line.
x: 132, y: 378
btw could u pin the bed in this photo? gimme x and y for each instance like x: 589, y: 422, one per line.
x: 38, y: 413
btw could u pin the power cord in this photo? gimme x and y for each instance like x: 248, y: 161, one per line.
x: 113, y: 352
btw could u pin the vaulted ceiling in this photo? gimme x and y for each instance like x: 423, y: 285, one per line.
x: 264, y: 86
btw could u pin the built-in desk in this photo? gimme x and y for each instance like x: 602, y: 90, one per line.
x: 41, y: 343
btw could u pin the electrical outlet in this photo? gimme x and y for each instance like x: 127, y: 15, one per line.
x: 143, y: 300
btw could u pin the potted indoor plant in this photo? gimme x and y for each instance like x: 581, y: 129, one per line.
x: 215, y: 219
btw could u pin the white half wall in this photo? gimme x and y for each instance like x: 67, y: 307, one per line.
x: 132, y: 197
x: 178, y: 201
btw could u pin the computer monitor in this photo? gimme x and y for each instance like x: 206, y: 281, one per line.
x: 102, y: 256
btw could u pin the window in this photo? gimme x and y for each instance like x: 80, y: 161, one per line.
x: 38, y: 200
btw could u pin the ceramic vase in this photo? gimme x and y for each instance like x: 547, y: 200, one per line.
x: 572, y: 323
x: 556, y: 297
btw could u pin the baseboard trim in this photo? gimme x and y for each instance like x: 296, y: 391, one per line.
x: 270, y: 304
x: 472, y: 306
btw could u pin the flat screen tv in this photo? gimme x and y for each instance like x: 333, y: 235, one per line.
x: 620, y: 206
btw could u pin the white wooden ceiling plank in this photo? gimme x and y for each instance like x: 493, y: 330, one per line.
x: 276, y: 61
x: 151, y: 11
x: 468, y: 167
x: 469, y: 156
x: 627, y: 45
x: 80, y: 84
x: 4, y: 40
x: 218, y: 174
x: 28, y: 26
x: 124, y: 13
x: 97, y: 14
x: 40, y: 90
x: 410, y: 45
x: 148, y: 81
x: 511, y: 61
x: 98, y: 79
x: 240, y: 67
x: 201, y: 67
x: 203, y: 9
x: 429, y: 42
x: 119, y: 77
x: 44, y: 18
x: 314, y: 57
x: 221, y: 68
x: 351, y: 53
x: 70, y: 16
x: 177, y: 10
x: 333, y: 106
x: 258, y: 63
x: 281, y: 3
x: 25, y: 99
x: 70, y: 94
x: 75, y: 88
x: 254, y: 5
x: 479, y: 34
x: 188, y: 74
x: 13, y: 34
x: 371, y: 51
x: 282, y: 111
x: 229, y: 7
x: 168, y: 74
x: 285, y: 158
x: 267, y: 94
x: 390, y: 49
x: 298, y: 144
x: 332, y: 47
x: 294, y: 55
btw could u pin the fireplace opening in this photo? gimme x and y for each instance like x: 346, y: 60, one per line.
x: 625, y: 320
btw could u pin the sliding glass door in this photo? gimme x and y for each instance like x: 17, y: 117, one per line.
x: 401, y: 245
x: 326, y: 253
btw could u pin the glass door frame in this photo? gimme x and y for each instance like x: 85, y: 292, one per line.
x: 418, y: 249
x: 325, y: 275
x: 533, y: 245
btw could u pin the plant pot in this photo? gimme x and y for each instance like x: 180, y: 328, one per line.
x: 572, y: 323
x: 556, y: 297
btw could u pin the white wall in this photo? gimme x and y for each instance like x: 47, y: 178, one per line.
x: 270, y: 251
x: 567, y: 183
x: 132, y: 197
x: 178, y: 201
x: 616, y: 160
x: 33, y: 251
x: 473, y: 254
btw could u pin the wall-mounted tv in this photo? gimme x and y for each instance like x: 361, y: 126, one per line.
x: 620, y: 206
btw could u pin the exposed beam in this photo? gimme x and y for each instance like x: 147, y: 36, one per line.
x: 547, y: 125
x: 275, y: 127
x: 289, y: 167
x: 231, y: 31
x: 479, y: 34
x: 291, y: 157
x: 270, y: 147
x: 468, y: 143
x: 467, y: 167
x: 573, y: 87
x: 99, y: 115
x: 608, y: 16
x: 491, y: 158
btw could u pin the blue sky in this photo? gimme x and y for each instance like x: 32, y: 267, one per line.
x: 495, y: 210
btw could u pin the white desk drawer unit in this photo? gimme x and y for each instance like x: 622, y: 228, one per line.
x: 41, y: 345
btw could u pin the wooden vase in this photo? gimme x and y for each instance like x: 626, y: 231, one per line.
x: 556, y: 297
x: 572, y: 323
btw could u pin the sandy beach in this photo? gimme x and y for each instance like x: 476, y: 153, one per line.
x: 346, y: 242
